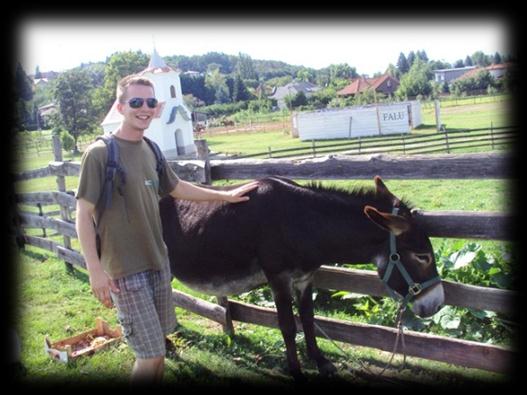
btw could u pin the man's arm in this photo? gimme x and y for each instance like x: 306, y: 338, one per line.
x: 99, y: 280
x: 187, y: 191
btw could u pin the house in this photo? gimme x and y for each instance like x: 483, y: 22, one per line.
x: 47, y: 110
x: 448, y: 75
x: 171, y: 128
x: 44, y: 78
x: 192, y: 74
x: 45, y: 113
x: 384, y: 84
x: 292, y: 89
x: 497, y: 71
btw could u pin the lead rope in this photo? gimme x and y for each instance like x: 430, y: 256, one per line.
x: 400, y: 335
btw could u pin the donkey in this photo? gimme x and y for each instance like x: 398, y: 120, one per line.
x: 284, y: 233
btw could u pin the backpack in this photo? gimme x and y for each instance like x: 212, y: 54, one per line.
x: 113, y: 167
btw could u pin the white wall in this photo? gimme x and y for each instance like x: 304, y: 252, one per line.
x: 357, y: 121
x: 159, y: 130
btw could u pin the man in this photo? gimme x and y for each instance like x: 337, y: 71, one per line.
x: 133, y: 272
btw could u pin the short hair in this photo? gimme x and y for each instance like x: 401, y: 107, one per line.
x: 132, y: 79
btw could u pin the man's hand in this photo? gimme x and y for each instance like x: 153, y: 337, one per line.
x: 188, y: 191
x: 237, y: 195
x: 101, y: 285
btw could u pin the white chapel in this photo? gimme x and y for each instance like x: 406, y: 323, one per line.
x: 171, y: 129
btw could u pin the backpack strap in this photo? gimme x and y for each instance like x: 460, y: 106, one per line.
x: 113, y: 167
x: 160, y: 158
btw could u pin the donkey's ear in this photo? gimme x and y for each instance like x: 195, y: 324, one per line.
x: 381, y: 188
x: 392, y: 223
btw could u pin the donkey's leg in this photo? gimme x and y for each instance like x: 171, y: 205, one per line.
x: 286, y: 321
x: 305, y: 302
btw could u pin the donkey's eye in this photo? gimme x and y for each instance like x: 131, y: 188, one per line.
x: 424, y: 259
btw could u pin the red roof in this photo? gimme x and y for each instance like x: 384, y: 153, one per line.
x: 474, y: 72
x: 362, y: 84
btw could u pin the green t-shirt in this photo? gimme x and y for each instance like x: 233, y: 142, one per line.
x: 130, y: 230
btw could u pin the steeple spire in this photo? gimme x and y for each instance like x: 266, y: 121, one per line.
x: 156, y: 61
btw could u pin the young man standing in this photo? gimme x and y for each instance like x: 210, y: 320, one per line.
x: 132, y: 271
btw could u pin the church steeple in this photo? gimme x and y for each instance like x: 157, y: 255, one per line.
x: 156, y: 61
x: 156, y: 64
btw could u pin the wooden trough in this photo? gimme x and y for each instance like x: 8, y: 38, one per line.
x: 85, y: 343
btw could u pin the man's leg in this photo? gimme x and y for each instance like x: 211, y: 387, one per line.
x: 148, y: 370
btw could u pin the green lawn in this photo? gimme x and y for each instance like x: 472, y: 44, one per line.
x: 59, y: 304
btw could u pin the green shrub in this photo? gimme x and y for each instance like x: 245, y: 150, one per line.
x: 68, y: 142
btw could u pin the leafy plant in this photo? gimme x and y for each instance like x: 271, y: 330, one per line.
x: 470, y: 264
x: 463, y: 263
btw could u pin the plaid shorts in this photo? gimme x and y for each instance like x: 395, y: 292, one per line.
x: 146, y: 311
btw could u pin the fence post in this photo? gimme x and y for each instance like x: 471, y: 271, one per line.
x: 41, y: 214
x: 313, y: 148
x: 491, y: 136
x: 443, y: 129
x: 203, y: 154
x: 437, y: 107
x: 269, y: 152
x: 61, y: 184
x: 228, y: 328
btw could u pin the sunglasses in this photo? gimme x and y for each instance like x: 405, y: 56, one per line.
x: 137, y: 102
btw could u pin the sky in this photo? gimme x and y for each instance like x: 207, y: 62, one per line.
x: 368, y: 44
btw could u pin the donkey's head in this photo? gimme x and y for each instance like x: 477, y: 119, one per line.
x: 407, y: 266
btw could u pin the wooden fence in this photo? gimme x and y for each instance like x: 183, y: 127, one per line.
x: 445, y: 141
x: 457, y: 224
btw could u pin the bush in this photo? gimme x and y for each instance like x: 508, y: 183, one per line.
x: 68, y: 142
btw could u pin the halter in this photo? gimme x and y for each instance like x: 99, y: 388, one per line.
x: 394, y: 260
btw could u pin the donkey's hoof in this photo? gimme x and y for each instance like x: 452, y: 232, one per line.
x: 327, y: 369
x: 299, y: 377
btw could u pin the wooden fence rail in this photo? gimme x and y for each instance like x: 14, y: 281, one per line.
x: 438, y: 166
x: 446, y: 141
x: 439, y: 224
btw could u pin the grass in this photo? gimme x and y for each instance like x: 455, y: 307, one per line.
x: 57, y: 303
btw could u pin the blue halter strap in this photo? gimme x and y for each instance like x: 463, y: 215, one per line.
x: 394, y: 260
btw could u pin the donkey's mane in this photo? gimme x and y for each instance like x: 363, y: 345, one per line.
x: 356, y: 193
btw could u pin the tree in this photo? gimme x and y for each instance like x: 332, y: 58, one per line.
x: 459, y: 63
x: 341, y: 71
x: 422, y: 55
x: 72, y: 94
x: 402, y: 64
x: 245, y: 67
x: 299, y: 99
x: 239, y: 90
x: 118, y: 65
x: 392, y: 71
x: 468, y: 61
x: 411, y: 58
x: 38, y: 74
x: 222, y: 60
x: 23, y: 93
x: 480, y: 59
x: 305, y: 74
x: 497, y: 58
x: 480, y: 82
x: 416, y: 81
x: 216, y: 81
